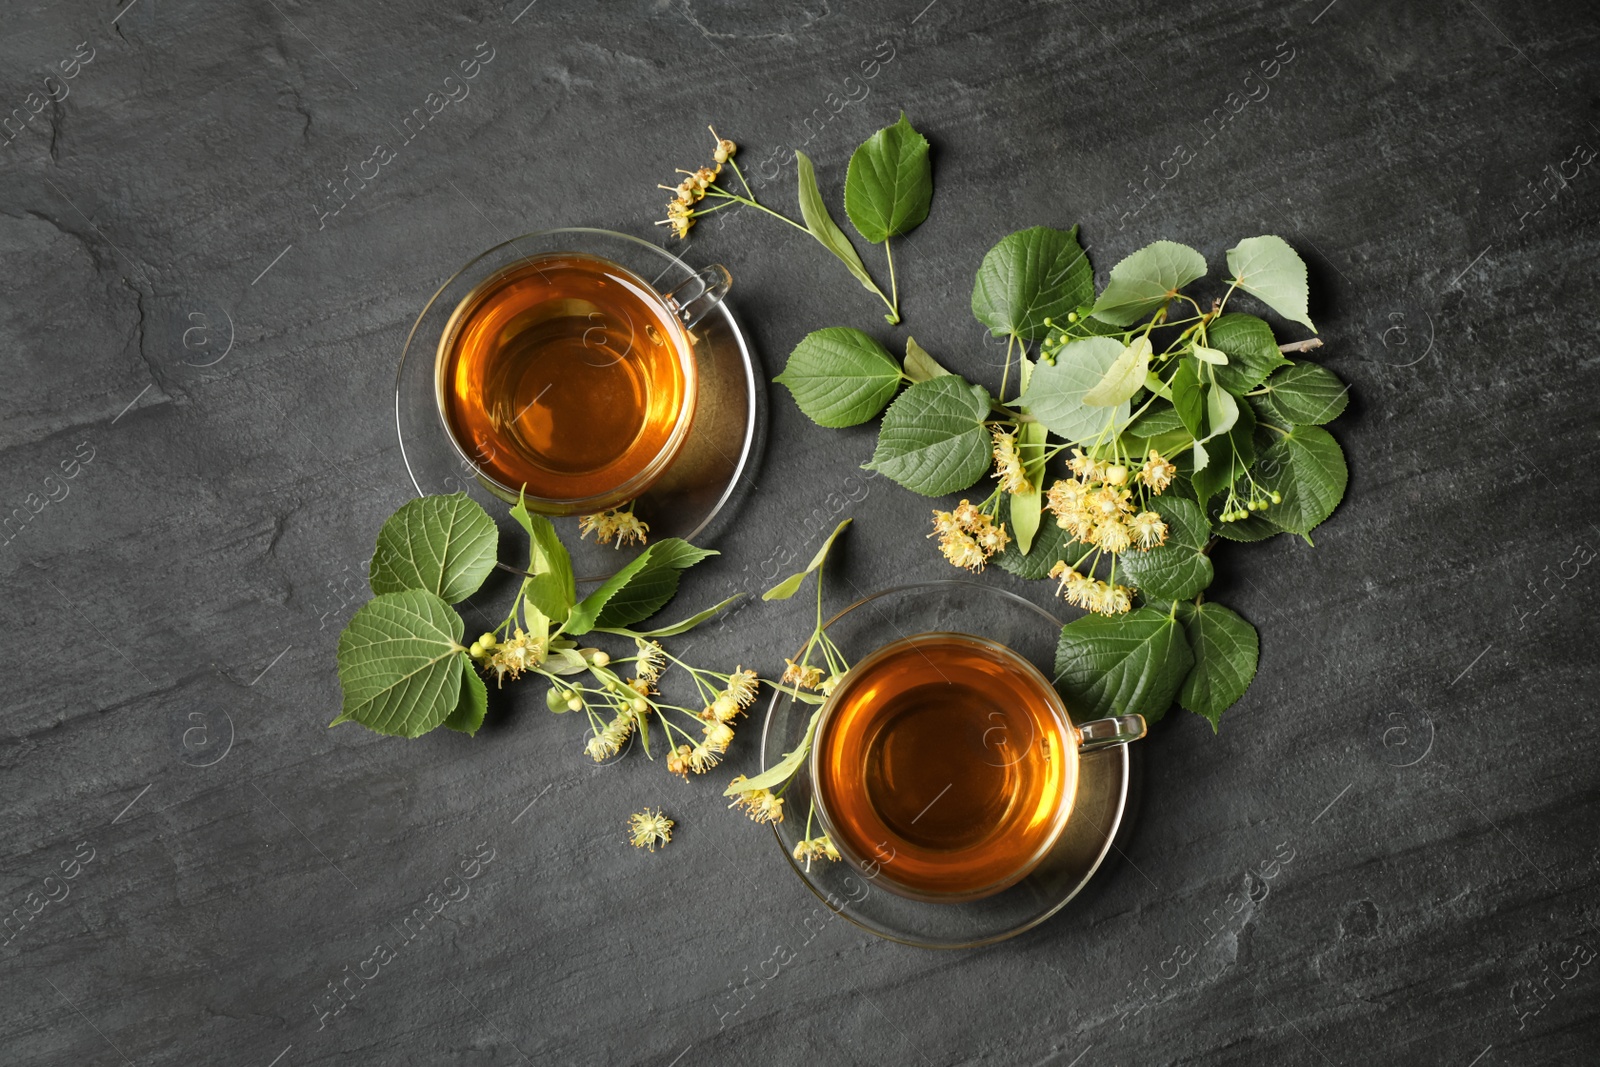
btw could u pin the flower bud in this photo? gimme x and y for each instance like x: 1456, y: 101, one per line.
x: 600, y: 659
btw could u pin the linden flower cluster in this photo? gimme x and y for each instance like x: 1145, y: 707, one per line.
x: 619, y: 525
x: 762, y: 805
x: 967, y: 536
x: 716, y: 724
x: 689, y: 192
x: 1096, y: 506
x: 509, y: 658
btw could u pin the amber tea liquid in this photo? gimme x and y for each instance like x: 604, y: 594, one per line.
x: 566, y: 374
x: 944, y: 766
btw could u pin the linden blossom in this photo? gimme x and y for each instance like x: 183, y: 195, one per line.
x: 456, y: 90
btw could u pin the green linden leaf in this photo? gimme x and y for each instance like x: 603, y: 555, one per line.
x: 1051, y: 544
x: 820, y: 224
x: 1026, y: 508
x: 1157, y: 420
x: 1145, y: 281
x: 1267, y: 268
x: 1122, y: 664
x: 889, y: 185
x: 1124, y: 378
x: 1256, y: 526
x: 552, y: 589
x: 1187, y: 398
x: 1304, y: 394
x: 1251, y: 349
x: 933, y: 439
x: 585, y: 614
x: 653, y: 585
x: 400, y: 663
x: 1180, y: 568
x: 791, y: 585
x: 1055, y: 394
x: 1226, y: 650
x: 678, y: 627
x: 784, y: 769
x: 443, y: 544
x: 840, y: 377
x: 1307, y: 467
x: 1029, y: 276
x: 919, y: 365
x: 1230, y: 455
x: 473, y: 704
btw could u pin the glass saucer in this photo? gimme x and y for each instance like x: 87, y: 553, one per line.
x: 697, y: 489
x: 1030, y: 631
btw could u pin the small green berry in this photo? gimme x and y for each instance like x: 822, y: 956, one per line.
x: 476, y: 651
x: 1072, y: 316
x: 1277, y: 497
x: 1047, y: 321
x: 488, y: 641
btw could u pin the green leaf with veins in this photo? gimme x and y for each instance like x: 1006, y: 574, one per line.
x: 920, y: 366
x: 1124, y: 377
x: 840, y: 376
x: 552, y: 590
x: 1251, y: 349
x: 1307, y: 468
x: 1226, y: 649
x: 1187, y: 398
x: 1055, y: 393
x: 933, y: 440
x: 1255, y: 526
x: 1029, y: 276
x: 1147, y: 280
x: 400, y: 663
x: 677, y: 628
x: 791, y: 585
x: 473, y: 704
x: 889, y: 185
x: 1180, y: 568
x: 820, y: 224
x: 1127, y: 664
x: 585, y: 614
x: 1303, y: 394
x: 1230, y: 456
x: 443, y: 544
x: 654, y: 584
x: 1050, y: 544
x: 1267, y: 268
x: 1157, y: 420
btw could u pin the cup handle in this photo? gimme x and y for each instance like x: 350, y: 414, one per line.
x: 1103, y: 733
x: 693, y: 298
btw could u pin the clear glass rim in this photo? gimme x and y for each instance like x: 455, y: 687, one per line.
x: 1121, y: 752
x: 591, y: 232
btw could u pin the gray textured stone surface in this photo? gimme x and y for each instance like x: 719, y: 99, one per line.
x: 197, y: 570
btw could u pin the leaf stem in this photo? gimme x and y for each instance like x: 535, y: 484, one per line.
x: 894, y: 286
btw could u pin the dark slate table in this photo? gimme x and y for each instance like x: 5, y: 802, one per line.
x: 1421, y: 737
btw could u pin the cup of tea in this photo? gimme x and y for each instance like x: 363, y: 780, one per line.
x: 944, y: 766
x: 567, y: 380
